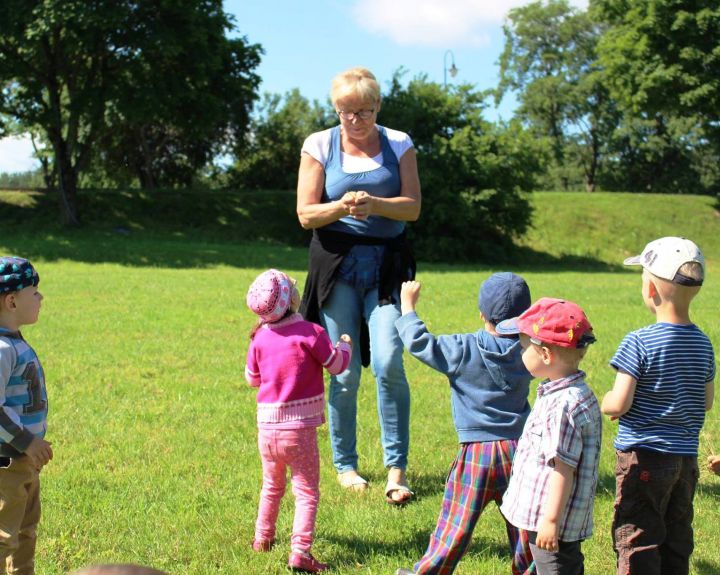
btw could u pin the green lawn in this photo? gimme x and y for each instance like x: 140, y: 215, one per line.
x: 143, y: 338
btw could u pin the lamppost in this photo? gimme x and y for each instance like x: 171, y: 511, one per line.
x: 453, y: 70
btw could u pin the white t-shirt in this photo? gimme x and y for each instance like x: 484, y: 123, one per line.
x: 317, y: 145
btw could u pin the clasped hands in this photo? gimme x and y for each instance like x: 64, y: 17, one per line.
x: 357, y: 204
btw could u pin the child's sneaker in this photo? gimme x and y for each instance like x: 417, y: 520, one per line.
x: 262, y: 545
x: 302, y: 561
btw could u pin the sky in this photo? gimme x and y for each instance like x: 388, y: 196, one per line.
x: 306, y: 43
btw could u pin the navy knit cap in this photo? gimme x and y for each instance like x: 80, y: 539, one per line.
x: 16, y: 274
x: 502, y: 296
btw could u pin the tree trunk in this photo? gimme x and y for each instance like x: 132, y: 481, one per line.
x: 146, y: 174
x: 592, y: 169
x: 48, y: 176
x: 67, y: 188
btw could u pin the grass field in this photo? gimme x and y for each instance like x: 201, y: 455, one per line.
x: 143, y: 335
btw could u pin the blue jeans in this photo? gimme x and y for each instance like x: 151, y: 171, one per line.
x: 354, y: 299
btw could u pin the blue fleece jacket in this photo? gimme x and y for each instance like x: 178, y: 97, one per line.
x: 488, y: 381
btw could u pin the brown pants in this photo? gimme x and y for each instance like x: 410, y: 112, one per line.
x: 652, y: 527
x: 19, y: 516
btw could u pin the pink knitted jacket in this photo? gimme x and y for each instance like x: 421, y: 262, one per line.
x: 285, y: 360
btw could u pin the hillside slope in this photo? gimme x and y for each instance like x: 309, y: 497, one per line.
x: 569, y: 229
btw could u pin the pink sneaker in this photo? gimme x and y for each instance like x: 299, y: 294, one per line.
x: 305, y: 562
x: 262, y: 545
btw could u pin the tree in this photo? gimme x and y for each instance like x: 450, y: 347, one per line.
x: 474, y: 175
x: 193, y: 92
x: 549, y: 60
x: 269, y: 156
x: 80, y: 72
x: 662, y: 56
x: 663, y: 69
x: 659, y: 155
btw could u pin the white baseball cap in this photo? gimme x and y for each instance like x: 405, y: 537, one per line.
x: 664, y: 257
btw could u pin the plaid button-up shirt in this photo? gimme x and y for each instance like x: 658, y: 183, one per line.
x: 564, y: 423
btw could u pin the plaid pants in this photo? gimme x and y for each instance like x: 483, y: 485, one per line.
x: 479, y: 474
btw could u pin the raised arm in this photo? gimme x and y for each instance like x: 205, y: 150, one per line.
x: 443, y: 353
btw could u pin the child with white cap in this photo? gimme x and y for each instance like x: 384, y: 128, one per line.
x: 663, y: 387
x: 285, y: 361
x: 489, y: 392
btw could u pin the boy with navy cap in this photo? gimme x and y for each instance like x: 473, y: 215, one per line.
x: 555, y: 472
x: 664, y: 384
x: 23, y: 417
x: 488, y: 388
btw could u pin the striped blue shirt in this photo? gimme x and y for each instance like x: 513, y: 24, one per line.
x: 23, y: 397
x: 672, y: 365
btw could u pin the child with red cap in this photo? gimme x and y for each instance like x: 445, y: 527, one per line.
x: 285, y: 361
x: 555, y: 470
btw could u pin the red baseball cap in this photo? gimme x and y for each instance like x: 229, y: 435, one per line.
x: 554, y: 321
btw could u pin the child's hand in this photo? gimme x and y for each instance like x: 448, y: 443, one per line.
x: 547, y: 537
x: 40, y: 452
x: 346, y: 338
x: 714, y: 464
x: 409, y: 294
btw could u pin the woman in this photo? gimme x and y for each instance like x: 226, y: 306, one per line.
x: 358, y: 185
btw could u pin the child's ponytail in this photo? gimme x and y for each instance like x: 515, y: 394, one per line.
x: 258, y: 324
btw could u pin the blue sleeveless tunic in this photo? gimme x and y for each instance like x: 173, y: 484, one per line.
x: 383, y: 182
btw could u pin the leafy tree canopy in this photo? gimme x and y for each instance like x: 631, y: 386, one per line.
x: 269, y: 155
x: 160, y: 85
x: 662, y: 56
x: 474, y: 174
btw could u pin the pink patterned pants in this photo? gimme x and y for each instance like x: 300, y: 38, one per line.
x: 298, y: 450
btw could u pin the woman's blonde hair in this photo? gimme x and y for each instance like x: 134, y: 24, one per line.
x: 358, y: 82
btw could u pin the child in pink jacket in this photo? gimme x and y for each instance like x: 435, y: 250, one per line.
x: 285, y: 362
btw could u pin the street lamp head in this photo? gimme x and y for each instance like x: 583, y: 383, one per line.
x: 452, y: 69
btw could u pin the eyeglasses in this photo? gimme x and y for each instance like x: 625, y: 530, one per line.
x: 362, y: 114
